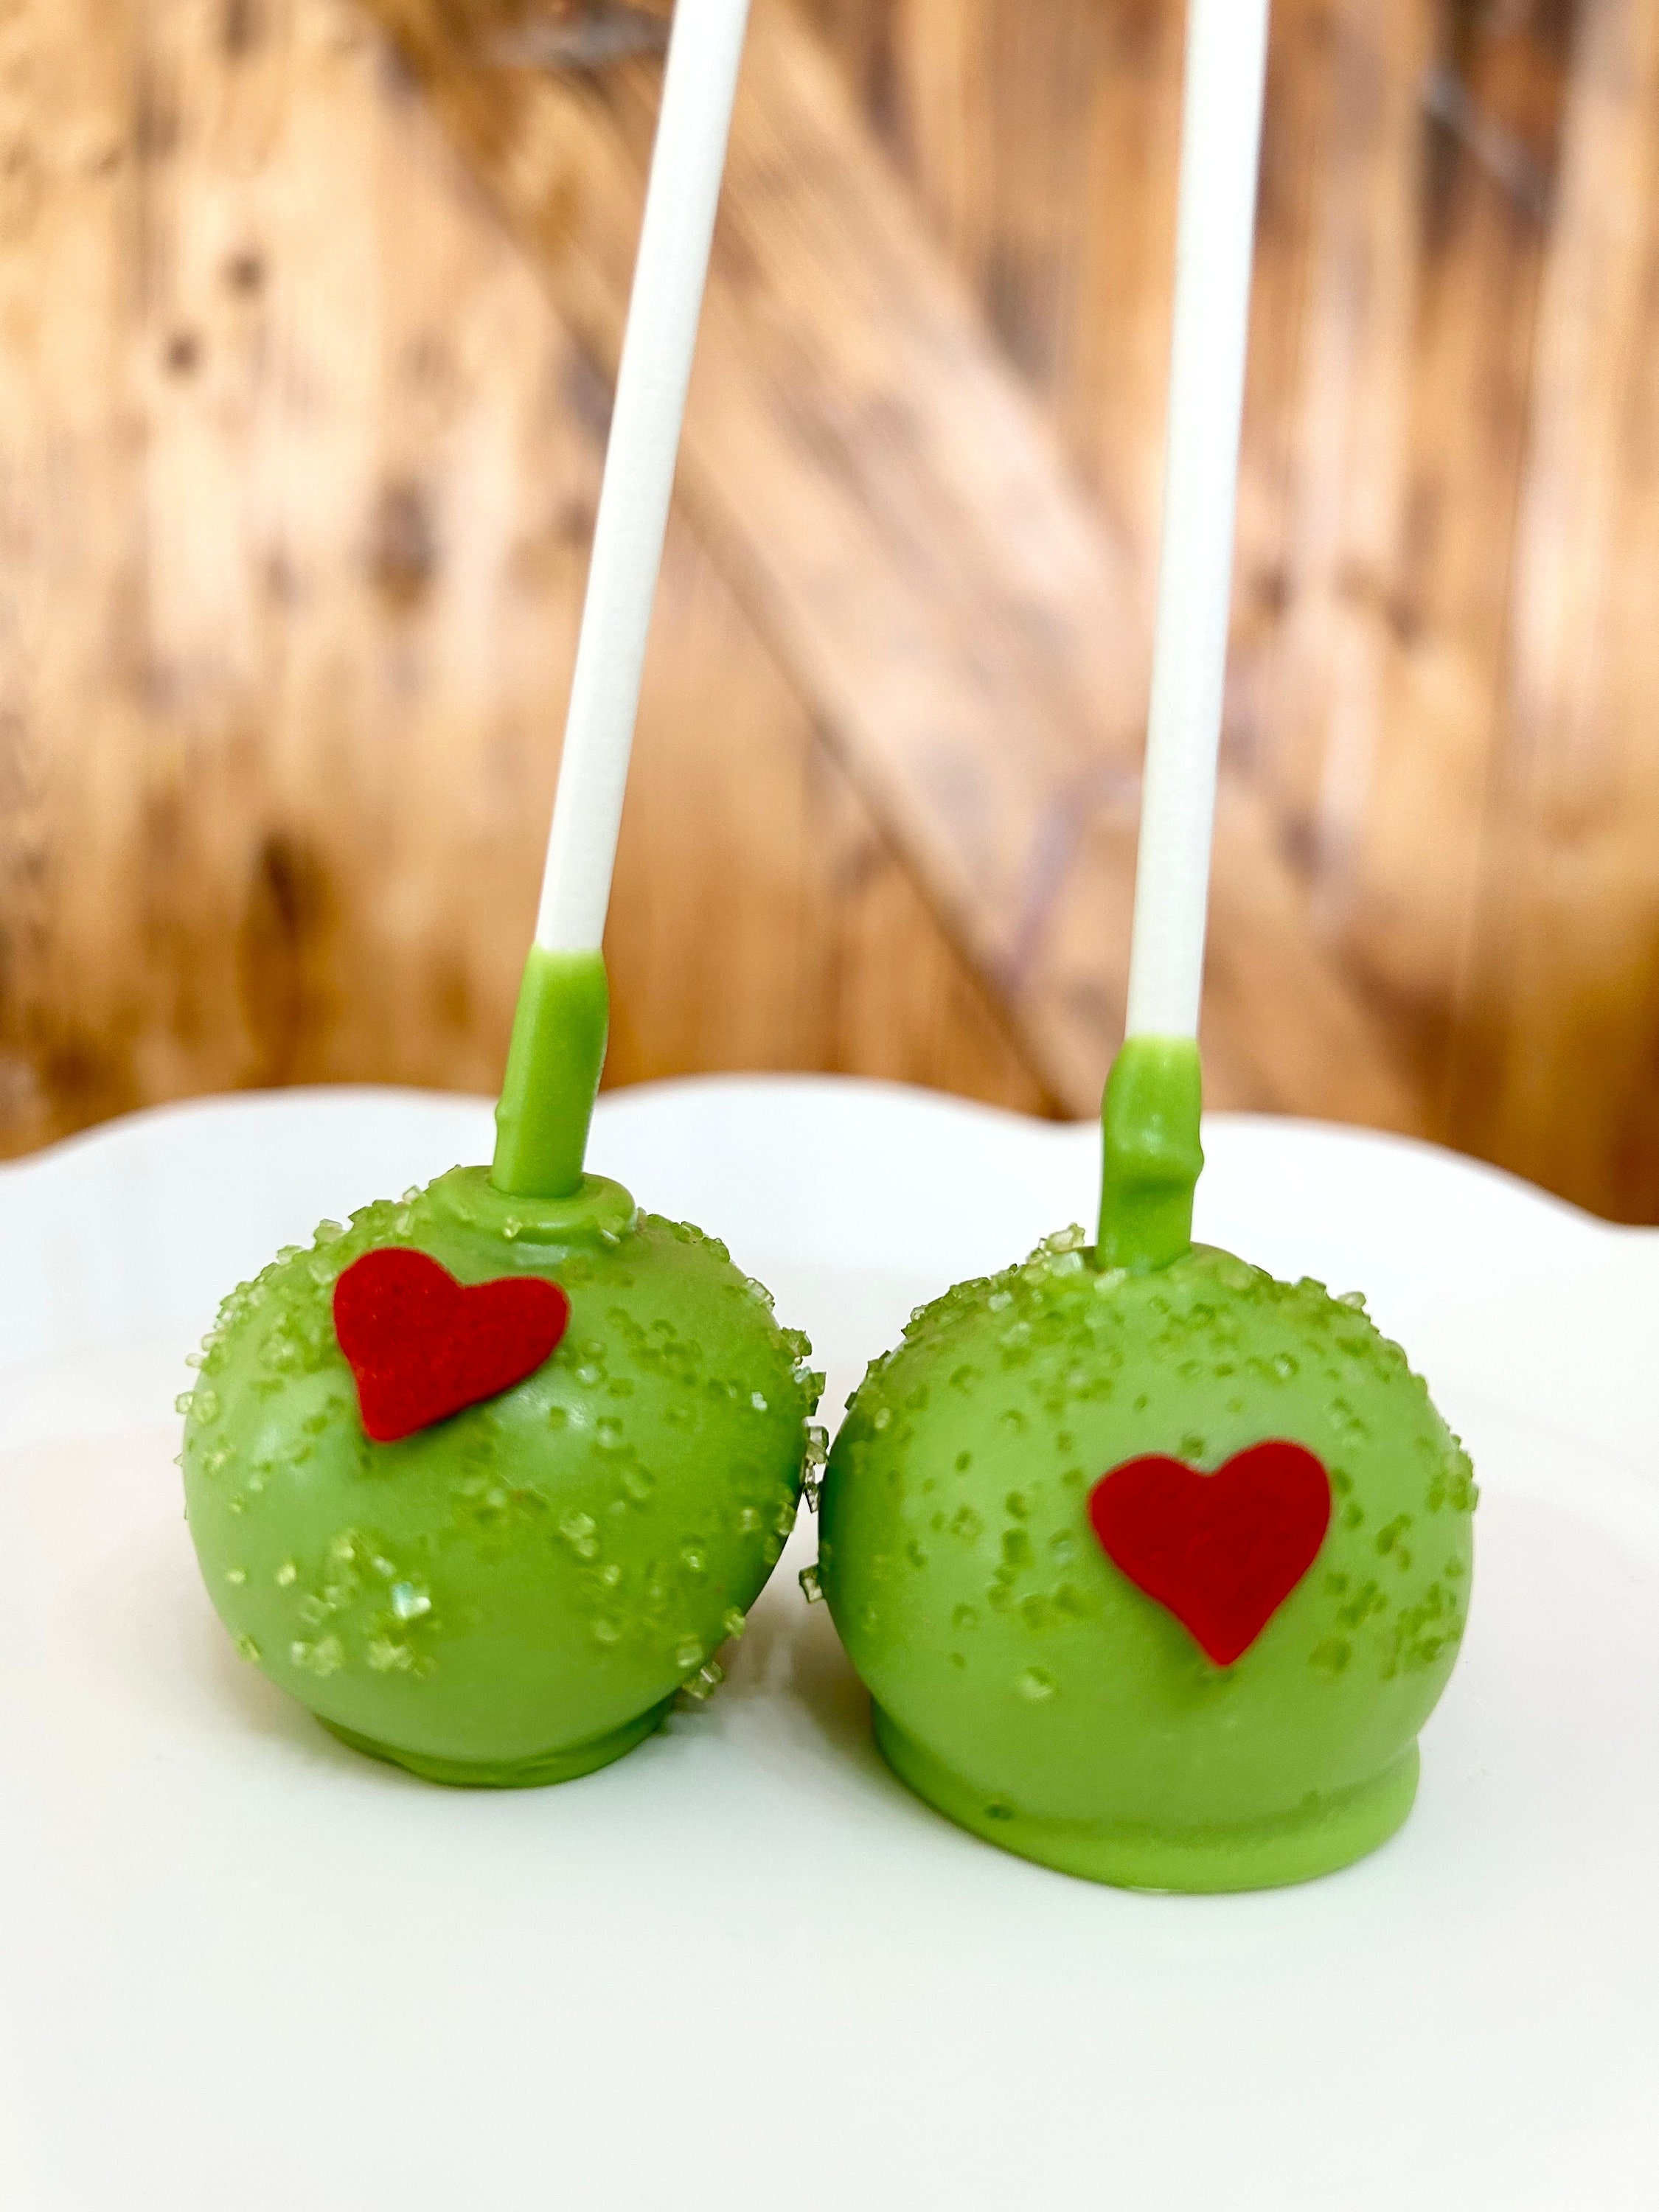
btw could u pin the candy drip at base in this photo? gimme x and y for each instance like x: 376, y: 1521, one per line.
x: 1320, y: 1838
x: 535, y: 1773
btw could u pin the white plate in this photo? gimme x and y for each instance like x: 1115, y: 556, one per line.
x: 241, y: 1968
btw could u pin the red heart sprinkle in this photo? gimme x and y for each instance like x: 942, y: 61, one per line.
x: 1221, y: 1552
x: 422, y: 1345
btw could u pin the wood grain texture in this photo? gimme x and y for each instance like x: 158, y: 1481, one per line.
x: 1559, y: 1059
x: 888, y: 502
x: 299, y: 470
x: 305, y: 359
x: 1040, y: 149
x: 1416, y: 822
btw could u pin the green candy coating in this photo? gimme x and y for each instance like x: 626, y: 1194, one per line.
x: 1026, y: 1688
x: 553, y: 1067
x: 515, y: 1594
x: 1151, y: 1155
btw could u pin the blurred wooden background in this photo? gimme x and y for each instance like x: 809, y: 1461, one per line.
x: 308, y: 314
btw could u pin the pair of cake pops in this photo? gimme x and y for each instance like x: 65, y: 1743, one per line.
x: 1153, y: 1566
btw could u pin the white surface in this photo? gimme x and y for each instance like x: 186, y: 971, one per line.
x: 742, y: 1968
x: 704, y: 51
x: 1220, y: 153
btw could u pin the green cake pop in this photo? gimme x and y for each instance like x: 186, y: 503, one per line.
x: 1154, y: 1566
x: 1023, y: 1680
x: 512, y: 1594
x: 486, y: 1477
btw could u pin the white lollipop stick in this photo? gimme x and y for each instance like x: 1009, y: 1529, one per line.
x: 1220, y: 153
x: 700, y: 83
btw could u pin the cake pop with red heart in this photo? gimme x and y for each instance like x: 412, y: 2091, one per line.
x: 487, y: 1476
x: 1155, y: 1566
x: 484, y: 1479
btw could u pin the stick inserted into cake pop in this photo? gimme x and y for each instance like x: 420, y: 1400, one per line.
x: 487, y: 1477
x: 557, y: 1051
x: 1117, y: 1538
x: 1152, y: 1159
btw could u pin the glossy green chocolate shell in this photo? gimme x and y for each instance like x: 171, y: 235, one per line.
x: 1024, y: 1686
x: 514, y: 1595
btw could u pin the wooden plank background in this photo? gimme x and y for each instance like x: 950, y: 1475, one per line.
x: 308, y: 313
